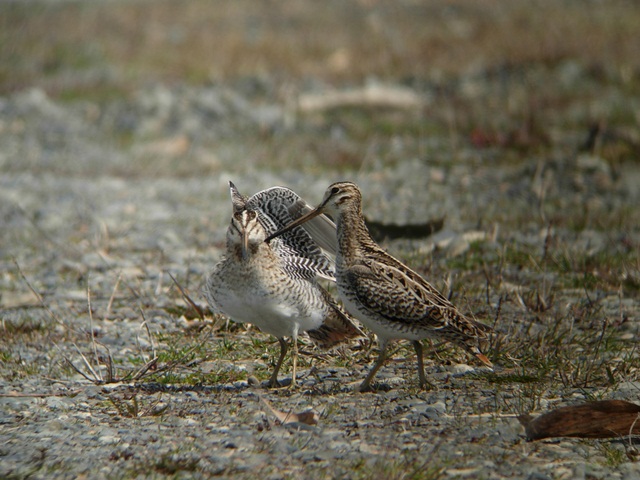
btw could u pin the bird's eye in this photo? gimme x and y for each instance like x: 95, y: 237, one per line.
x: 335, y: 190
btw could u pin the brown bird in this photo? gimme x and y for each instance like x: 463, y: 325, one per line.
x: 384, y: 294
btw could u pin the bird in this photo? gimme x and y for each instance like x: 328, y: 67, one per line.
x: 274, y: 286
x: 387, y: 296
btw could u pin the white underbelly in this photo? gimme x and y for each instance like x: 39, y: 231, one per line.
x: 271, y: 314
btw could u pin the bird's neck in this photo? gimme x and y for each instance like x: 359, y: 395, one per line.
x: 257, y: 252
x: 354, y: 239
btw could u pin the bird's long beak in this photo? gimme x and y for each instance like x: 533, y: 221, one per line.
x: 313, y: 213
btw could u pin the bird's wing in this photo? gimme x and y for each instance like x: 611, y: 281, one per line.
x: 310, y: 246
x: 321, y: 228
x: 397, y: 297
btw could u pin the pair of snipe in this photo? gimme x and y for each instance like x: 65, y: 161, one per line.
x: 268, y: 278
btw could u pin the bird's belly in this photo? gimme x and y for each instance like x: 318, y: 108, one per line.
x: 379, y: 325
x: 279, y: 315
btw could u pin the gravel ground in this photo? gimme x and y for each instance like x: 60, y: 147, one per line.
x: 110, y: 199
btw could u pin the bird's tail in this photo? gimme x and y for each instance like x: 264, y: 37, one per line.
x: 483, y: 358
x: 338, y: 327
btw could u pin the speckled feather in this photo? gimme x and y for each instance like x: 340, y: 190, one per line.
x: 307, y: 251
x: 384, y: 294
x: 247, y: 290
x: 417, y: 307
x: 273, y: 286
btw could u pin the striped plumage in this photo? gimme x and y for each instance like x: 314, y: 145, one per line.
x: 384, y: 294
x: 309, y: 250
x: 274, y: 286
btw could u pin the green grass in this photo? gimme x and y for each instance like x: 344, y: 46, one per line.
x: 511, y: 378
x: 614, y: 454
x: 135, y: 406
x: 21, y: 331
x: 16, y: 367
x: 180, y: 359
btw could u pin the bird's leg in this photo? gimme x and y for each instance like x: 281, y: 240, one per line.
x: 366, y: 384
x: 294, y: 339
x: 421, y: 376
x: 273, y: 381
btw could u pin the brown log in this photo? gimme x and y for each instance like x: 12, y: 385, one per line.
x: 603, y: 419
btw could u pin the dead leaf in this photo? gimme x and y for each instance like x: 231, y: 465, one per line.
x: 308, y: 417
x: 603, y: 419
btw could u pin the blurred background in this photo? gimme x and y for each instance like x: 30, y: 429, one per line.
x: 513, y: 75
x: 107, y: 48
x: 514, y: 113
